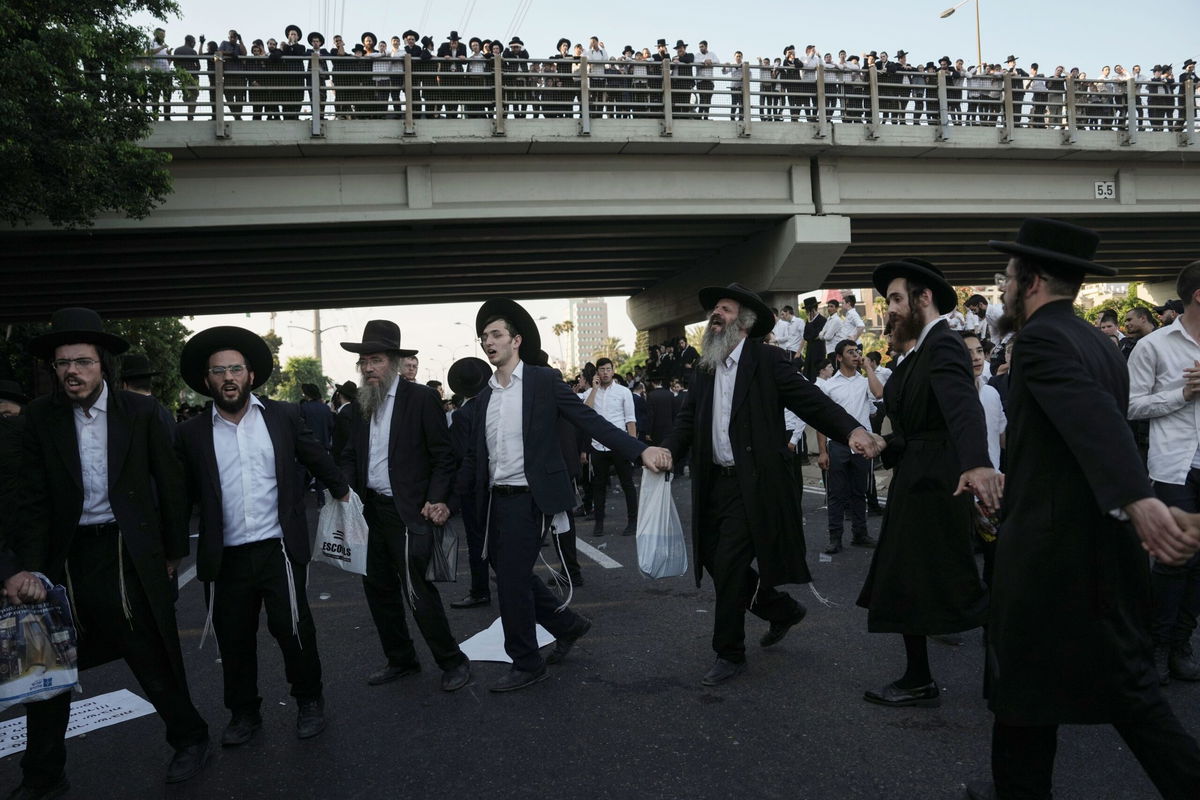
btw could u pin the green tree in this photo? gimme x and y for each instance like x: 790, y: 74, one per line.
x: 299, y: 370
x: 612, y: 348
x: 73, y: 108
x: 695, y: 335
x: 1119, y: 304
x: 274, y: 341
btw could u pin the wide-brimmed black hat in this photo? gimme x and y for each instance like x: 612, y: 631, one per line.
x: 515, y: 40
x: 764, y: 319
x: 561, y: 42
x: 296, y: 28
x: 310, y: 389
x: 11, y: 390
x: 944, y: 296
x: 475, y: 40
x: 427, y: 41
x: 75, y: 326
x: 812, y: 302
x: 1010, y: 58
x: 348, y: 390
x: 468, y: 376
x: 788, y: 47
x: 661, y: 43
x: 193, y: 361
x: 1170, y: 305
x: 136, y: 365
x: 901, y: 54
x: 379, y: 336
x: 680, y: 43
x: 945, y: 60
x: 363, y: 38
x: 412, y: 33
x: 513, y: 313
x: 1188, y: 62
x: 320, y: 37
x: 628, y: 49
x: 453, y: 36
x: 1060, y: 247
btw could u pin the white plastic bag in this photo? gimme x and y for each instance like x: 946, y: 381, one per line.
x: 342, y: 534
x: 661, y: 547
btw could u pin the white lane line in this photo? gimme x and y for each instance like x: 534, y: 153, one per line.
x: 596, y: 555
x: 186, y: 576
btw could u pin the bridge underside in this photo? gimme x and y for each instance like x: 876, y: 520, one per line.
x: 169, y: 272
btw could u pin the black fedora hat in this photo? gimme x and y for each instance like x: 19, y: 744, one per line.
x: 764, y: 319
x: 516, y: 40
x: 1060, y: 247
x: 296, y: 28
x: 788, y: 47
x: 512, y: 312
x: 75, y: 326
x: 453, y: 36
x: 1010, y: 59
x: 379, y: 336
x: 680, y: 43
x: 661, y: 43
x: 193, y: 361
x: 468, y: 376
x: 348, y: 390
x: 412, y: 33
x: 628, y: 49
x: 11, y: 390
x: 136, y: 365
x: 363, y: 38
x: 945, y: 60
x: 427, y: 41
x: 318, y: 36
x: 944, y: 296
x: 561, y: 42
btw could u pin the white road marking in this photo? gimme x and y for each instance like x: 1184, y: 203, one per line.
x: 186, y: 576
x: 596, y: 555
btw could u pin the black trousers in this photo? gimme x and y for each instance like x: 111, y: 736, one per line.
x: 1176, y: 589
x: 515, y: 532
x: 726, y: 552
x: 100, y: 619
x: 848, y: 479
x: 1023, y: 756
x: 253, y: 576
x: 602, y: 462
x: 389, y: 546
x: 476, y: 558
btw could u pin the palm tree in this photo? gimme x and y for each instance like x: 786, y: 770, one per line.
x: 566, y: 326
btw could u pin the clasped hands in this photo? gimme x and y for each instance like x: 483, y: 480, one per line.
x: 657, y: 459
x: 437, y: 513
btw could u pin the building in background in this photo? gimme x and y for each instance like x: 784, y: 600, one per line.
x: 590, y: 318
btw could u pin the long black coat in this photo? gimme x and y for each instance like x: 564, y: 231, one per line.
x: 146, y: 491
x: 294, y: 446
x: 766, y: 382
x: 923, y: 578
x: 1070, y: 597
x: 814, y: 351
x: 662, y: 413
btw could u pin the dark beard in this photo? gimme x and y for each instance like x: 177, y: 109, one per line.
x: 235, y: 405
x: 716, y: 347
x: 1013, y: 318
x: 906, y: 328
x: 371, y: 397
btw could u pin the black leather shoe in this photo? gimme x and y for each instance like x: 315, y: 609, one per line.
x: 471, y: 601
x: 833, y: 549
x: 722, y: 671
x: 241, y: 729
x: 630, y: 529
x: 519, y: 679
x: 26, y: 792
x: 456, y: 677
x: 311, y: 719
x: 864, y: 541
x: 187, y: 762
x: 392, y: 672
x: 568, y: 640
x: 981, y: 790
x: 927, y: 696
x: 779, y: 629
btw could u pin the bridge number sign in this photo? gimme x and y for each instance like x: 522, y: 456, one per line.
x: 1106, y: 190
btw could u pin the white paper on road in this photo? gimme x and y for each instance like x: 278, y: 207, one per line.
x: 86, y: 715
x: 488, y: 645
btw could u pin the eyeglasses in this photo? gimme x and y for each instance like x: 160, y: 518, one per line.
x: 81, y: 363
x: 232, y: 369
x: 373, y: 361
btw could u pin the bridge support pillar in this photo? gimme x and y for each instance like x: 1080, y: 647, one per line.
x: 795, y: 255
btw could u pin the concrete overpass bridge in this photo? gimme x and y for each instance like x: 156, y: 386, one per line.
x: 341, y: 212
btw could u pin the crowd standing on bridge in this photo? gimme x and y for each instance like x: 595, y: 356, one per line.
x: 1089, y: 593
x: 455, y: 79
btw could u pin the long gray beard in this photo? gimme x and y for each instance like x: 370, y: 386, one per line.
x: 716, y: 347
x: 371, y: 396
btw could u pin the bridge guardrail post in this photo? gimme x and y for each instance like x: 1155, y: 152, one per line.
x: 1131, y: 112
x: 822, y: 112
x: 943, y: 132
x: 747, y: 109
x: 410, y: 125
x: 1187, y: 136
x: 873, y: 87
x: 585, y: 99
x: 1069, y: 132
x: 1009, y: 108
x: 498, y: 117
x: 218, y: 77
x: 666, y: 98
x: 316, y: 93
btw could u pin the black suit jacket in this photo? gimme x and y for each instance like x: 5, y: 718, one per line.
x: 545, y: 399
x: 294, y: 445
x: 662, y: 414
x: 420, y: 455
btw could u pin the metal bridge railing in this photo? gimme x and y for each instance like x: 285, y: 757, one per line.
x: 414, y: 91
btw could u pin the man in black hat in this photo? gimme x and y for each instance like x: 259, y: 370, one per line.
x: 1169, y: 311
x: 515, y: 59
x: 242, y: 462
x: 400, y: 461
x: 681, y: 80
x: 343, y: 399
x: 923, y: 579
x: 745, y: 503
x: 454, y: 55
x: 515, y: 474
x: 104, y: 511
x: 136, y: 373
x: 1067, y: 637
x: 292, y: 53
x: 468, y: 377
x: 316, y: 45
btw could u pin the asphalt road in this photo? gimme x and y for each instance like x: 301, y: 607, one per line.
x: 624, y: 717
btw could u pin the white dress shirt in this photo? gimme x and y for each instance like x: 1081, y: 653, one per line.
x: 723, y: 381
x: 853, y: 393
x: 91, y: 432
x: 505, y: 432
x: 615, y: 404
x: 883, y: 373
x: 852, y: 326
x: 246, y: 467
x: 704, y: 62
x: 1156, y: 368
x: 831, y: 332
x: 993, y: 414
x: 781, y: 332
x: 793, y: 425
x: 378, y: 479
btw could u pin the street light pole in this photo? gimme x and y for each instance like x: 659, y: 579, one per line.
x: 978, y: 39
x: 316, y: 330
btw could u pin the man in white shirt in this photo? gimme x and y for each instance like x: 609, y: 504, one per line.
x: 242, y: 463
x: 831, y: 333
x: 793, y: 337
x: 704, y: 78
x: 614, y: 403
x: 1164, y: 387
x: 848, y: 474
x: 852, y: 322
